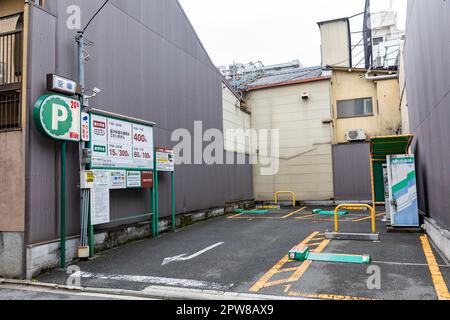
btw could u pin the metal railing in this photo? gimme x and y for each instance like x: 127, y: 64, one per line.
x: 10, y: 58
x: 11, y: 48
x: 10, y: 111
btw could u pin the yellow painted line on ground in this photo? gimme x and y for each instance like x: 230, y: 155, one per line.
x: 235, y: 216
x: 327, y: 296
x: 292, y: 213
x: 368, y: 218
x: 301, y: 271
x: 305, y: 217
x: 438, y: 280
x: 261, y: 283
x: 273, y: 218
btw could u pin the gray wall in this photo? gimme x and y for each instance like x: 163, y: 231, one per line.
x: 150, y: 64
x: 351, y: 167
x: 427, y: 67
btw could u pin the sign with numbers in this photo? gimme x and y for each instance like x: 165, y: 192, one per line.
x: 164, y: 160
x: 120, y: 144
x: 58, y: 117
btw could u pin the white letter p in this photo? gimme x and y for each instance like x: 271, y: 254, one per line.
x: 59, y: 114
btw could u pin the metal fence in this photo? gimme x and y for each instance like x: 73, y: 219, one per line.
x: 10, y: 73
x: 10, y: 111
x: 10, y: 57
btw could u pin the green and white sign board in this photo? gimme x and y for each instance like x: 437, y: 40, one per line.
x: 120, y: 144
x: 58, y: 117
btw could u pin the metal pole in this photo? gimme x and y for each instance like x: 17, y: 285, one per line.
x: 63, y: 205
x: 155, y: 182
x: 84, y: 194
x: 174, y: 225
x: 152, y: 194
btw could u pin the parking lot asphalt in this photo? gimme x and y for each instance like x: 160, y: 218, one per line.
x: 247, y: 253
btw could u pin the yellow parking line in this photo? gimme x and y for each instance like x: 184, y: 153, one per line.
x: 276, y: 268
x: 305, y: 217
x: 273, y: 218
x: 292, y: 213
x: 325, y: 296
x: 436, y: 275
x: 368, y: 218
x: 301, y: 271
x: 235, y: 216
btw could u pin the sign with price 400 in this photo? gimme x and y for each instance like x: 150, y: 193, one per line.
x: 120, y: 144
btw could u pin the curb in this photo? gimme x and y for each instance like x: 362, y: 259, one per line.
x: 152, y: 292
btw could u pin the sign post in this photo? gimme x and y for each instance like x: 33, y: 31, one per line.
x: 59, y: 118
x: 63, y: 206
x: 165, y: 163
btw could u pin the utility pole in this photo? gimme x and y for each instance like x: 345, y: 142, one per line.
x: 84, y: 193
x: 86, y: 226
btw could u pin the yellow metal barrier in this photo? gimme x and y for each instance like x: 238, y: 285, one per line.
x: 354, y: 207
x: 285, y: 192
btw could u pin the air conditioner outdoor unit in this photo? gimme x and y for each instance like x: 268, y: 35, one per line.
x: 356, y: 135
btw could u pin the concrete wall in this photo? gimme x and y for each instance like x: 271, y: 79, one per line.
x: 305, y: 141
x: 403, y: 93
x: 385, y: 101
x: 335, y: 43
x: 234, y: 118
x: 149, y: 64
x: 9, y: 7
x: 427, y: 67
x: 351, y: 166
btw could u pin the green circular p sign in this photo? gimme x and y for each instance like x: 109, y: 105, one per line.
x: 58, y: 117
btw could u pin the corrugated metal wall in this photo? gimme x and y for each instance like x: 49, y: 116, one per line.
x: 427, y: 67
x: 351, y: 167
x: 149, y: 64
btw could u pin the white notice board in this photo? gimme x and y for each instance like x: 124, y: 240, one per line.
x: 100, y: 209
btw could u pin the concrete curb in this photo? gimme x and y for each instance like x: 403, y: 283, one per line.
x: 152, y: 292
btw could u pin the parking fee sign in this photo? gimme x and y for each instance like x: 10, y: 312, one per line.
x: 120, y: 144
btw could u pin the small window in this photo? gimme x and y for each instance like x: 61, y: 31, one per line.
x: 355, y: 108
x: 10, y: 111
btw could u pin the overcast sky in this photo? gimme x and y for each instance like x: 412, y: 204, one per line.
x: 271, y: 31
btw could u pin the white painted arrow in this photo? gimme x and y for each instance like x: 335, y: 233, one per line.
x: 182, y: 257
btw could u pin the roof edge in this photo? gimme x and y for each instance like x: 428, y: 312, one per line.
x: 287, y: 83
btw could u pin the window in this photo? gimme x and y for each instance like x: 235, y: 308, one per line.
x: 355, y: 108
x: 10, y: 111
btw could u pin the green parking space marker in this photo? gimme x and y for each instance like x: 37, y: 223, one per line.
x: 329, y: 213
x: 303, y: 253
x: 251, y: 212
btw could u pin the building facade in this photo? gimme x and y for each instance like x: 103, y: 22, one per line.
x: 151, y: 65
x: 297, y: 103
x: 427, y: 69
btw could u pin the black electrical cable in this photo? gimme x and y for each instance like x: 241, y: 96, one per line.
x: 93, y: 17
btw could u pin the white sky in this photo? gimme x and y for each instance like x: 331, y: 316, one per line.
x: 271, y: 31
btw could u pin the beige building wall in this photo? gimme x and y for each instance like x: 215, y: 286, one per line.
x: 386, y: 119
x: 305, y: 163
x: 234, y: 118
x: 9, y: 7
x: 335, y: 43
x: 12, y: 183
